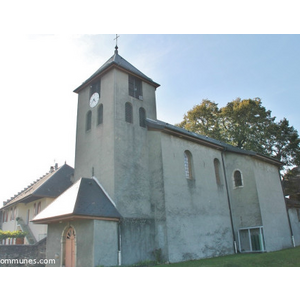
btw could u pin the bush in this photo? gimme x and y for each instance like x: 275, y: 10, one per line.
x: 11, y: 234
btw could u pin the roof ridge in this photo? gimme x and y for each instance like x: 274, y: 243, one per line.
x: 31, y: 185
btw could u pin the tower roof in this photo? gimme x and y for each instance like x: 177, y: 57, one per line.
x: 119, y: 62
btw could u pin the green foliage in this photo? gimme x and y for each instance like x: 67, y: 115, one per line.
x: 11, y: 234
x: 203, y: 119
x: 284, y: 143
x: 246, y: 124
x: 291, y: 183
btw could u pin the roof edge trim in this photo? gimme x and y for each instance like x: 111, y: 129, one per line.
x: 209, y: 142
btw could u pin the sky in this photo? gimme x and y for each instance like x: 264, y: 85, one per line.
x: 39, y: 107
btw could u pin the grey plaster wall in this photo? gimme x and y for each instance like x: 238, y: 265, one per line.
x: 138, y: 244
x: 197, y: 213
x: 105, y: 243
x: 132, y: 188
x: 273, y: 209
x: 95, y: 148
x: 295, y: 224
x: 244, y: 200
x: 84, y: 242
x: 157, y: 192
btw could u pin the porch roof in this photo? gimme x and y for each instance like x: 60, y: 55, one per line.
x: 86, y: 199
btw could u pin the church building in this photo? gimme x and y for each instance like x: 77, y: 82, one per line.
x: 147, y: 190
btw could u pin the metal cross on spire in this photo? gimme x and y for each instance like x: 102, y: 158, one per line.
x: 116, y: 38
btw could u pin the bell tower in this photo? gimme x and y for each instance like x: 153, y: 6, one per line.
x: 112, y: 136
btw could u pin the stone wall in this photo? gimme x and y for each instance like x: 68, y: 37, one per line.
x: 23, y: 255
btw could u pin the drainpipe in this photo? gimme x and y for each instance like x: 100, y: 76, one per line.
x: 119, y: 244
x: 229, y: 205
x: 287, y: 212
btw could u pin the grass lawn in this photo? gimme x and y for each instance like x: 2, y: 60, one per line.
x: 283, y: 258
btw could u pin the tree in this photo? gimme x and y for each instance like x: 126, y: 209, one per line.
x: 291, y: 184
x: 203, y: 119
x: 284, y: 143
x: 246, y: 124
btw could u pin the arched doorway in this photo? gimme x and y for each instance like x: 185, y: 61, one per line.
x: 70, y: 247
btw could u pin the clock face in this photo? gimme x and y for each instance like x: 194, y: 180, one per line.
x: 94, y: 100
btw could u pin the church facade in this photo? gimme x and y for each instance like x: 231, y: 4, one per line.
x: 147, y: 190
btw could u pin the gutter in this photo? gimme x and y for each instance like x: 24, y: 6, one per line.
x: 287, y: 213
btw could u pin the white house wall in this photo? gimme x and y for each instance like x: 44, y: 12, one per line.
x: 39, y: 231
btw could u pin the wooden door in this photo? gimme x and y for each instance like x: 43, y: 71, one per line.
x: 70, y: 248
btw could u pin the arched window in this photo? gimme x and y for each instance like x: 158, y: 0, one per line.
x: 237, y: 176
x: 100, y: 114
x: 142, y: 117
x: 88, y: 121
x: 217, y: 166
x: 188, y: 164
x: 128, y: 112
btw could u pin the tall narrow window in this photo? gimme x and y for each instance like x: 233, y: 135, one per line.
x: 188, y: 164
x: 135, y: 87
x: 128, y: 112
x: 237, y: 176
x: 39, y: 208
x: 217, y: 171
x: 88, y: 124
x: 100, y: 114
x: 142, y: 117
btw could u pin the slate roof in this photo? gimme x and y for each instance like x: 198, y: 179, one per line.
x: 210, y: 142
x: 86, y: 199
x: 117, y: 61
x: 50, y: 185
